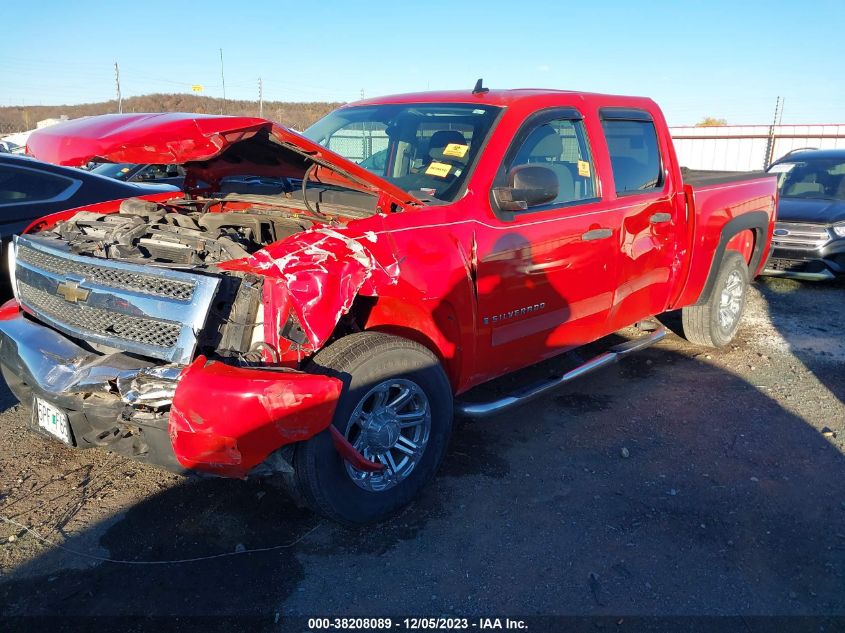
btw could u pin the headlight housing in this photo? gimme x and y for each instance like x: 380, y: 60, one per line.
x: 839, y: 230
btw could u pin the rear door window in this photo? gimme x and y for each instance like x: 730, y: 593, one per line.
x: 634, y: 154
x: 19, y: 185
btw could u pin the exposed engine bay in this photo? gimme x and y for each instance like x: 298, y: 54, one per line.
x: 181, y: 232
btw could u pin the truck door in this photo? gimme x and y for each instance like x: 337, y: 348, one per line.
x: 651, y: 215
x: 546, y: 274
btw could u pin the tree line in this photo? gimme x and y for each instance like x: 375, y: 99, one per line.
x: 295, y: 115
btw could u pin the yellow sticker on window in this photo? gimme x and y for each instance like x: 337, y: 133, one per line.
x: 440, y: 170
x: 456, y: 149
x: 583, y: 169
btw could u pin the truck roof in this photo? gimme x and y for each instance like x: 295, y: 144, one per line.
x: 522, y: 96
x: 810, y: 154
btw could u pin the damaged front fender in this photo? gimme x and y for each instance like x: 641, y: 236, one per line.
x: 320, y: 273
x: 227, y: 420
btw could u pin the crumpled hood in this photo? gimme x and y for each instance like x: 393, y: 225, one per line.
x: 210, y: 147
x: 810, y: 210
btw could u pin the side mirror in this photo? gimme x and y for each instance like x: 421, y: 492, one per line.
x: 528, y: 186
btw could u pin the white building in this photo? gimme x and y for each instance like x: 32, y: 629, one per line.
x: 749, y: 147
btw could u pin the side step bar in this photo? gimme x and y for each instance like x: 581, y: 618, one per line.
x: 486, y: 409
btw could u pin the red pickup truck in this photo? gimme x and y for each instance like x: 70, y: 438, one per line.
x: 417, y: 246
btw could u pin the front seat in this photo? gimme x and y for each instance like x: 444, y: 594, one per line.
x: 545, y: 147
x: 438, y: 142
x: 435, y: 154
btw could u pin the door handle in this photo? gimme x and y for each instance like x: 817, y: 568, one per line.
x: 659, y: 218
x: 596, y: 234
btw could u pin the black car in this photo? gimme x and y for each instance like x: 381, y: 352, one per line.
x: 809, y: 239
x: 30, y: 189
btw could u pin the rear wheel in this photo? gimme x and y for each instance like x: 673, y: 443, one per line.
x: 715, y: 322
x: 395, y: 409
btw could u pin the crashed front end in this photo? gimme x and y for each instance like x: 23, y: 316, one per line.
x: 162, y: 364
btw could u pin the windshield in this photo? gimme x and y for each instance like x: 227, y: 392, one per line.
x: 118, y: 171
x: 425, y: 149
x: 822, y: 178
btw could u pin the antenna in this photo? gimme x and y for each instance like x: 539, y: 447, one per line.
x: 479, y: 88
x: 260, y: 98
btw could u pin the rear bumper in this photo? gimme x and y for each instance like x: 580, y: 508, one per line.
x: 208, y: 417
x: 822, y: 263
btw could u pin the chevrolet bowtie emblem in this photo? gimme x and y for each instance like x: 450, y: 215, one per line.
x: 71, y: 291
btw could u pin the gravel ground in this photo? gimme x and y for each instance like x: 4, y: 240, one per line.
x: 680, y: 482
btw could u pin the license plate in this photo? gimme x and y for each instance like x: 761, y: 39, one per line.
x: 52, y: 419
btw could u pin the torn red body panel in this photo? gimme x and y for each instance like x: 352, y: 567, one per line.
x: 321, y: 272
x: 226, y: 420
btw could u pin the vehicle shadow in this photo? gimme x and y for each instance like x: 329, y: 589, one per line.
x: 7, y: 398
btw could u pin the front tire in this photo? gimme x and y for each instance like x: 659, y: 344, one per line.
x: 715, y: 322
x: 396, y: 409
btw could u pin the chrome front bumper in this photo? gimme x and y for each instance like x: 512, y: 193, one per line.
x: 57, y: 367
x: 101, y: 394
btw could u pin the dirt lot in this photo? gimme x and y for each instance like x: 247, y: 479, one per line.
x: 731, y: 500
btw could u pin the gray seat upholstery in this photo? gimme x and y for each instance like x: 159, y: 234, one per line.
x: 438, y: 142
x: 545, y: 147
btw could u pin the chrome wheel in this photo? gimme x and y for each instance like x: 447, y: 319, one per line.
x: 730, y: 301
x: 391, y: 425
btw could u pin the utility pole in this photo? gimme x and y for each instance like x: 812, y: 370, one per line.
x: 770, y: 144
x: 223, y: 79
x: 117, y: 81
x: 362, y: 93
x: 260, y: 98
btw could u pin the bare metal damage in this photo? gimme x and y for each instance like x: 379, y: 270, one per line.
x: 323, y: 270
x: 153, y: 387
x: 58, y: 366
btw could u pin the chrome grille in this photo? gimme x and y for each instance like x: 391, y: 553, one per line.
x: 800, y: 235
x: 155, y: 312
x: 111, y: 277
x: 99, y: 322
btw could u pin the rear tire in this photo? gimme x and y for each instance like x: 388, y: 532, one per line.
x: 378, y: 370
x: 715, y: 322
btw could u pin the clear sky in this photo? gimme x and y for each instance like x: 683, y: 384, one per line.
x: 722, y: 58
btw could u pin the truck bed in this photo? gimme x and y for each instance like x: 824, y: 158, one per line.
x: 716, y: 200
